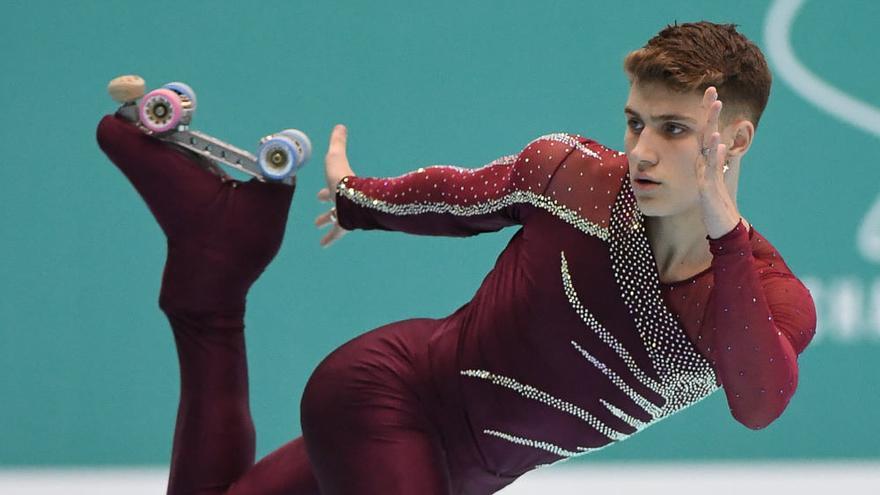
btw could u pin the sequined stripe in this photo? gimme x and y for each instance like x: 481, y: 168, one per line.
x: 635, y: 272
x: 573, y: 142
x: 687, y: 388
x: 603, y: 333
x: 630, y: 420
x: 686, y: 376
x: 549, y: 447
x: 641, y: 401
x: 530, y: 392
x: 504, y: 160
x: 560, y: 211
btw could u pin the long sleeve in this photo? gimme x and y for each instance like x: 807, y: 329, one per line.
x: 763, y: 319
x: 452, y: 201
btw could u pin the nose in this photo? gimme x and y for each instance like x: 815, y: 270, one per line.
x: 643, y: 153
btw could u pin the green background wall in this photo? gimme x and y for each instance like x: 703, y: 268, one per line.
x: 89, y: 371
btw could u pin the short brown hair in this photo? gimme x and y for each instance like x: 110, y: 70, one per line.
x: 694, y: 56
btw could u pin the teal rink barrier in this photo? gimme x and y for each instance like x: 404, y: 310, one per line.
x: 89, y: 367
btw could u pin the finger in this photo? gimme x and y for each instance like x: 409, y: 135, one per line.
x: 332, y: 236
x: 338, y: 140
x: 712, y: 114
x: 714, y: 142
x: 709, y: 96
x: 720, y: 157
x: 324, y: 195
x: 328, y: 239
x: 324, y: 219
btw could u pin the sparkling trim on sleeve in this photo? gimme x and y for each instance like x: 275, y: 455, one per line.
x: 552, y: 206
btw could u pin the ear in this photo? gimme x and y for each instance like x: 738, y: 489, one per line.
x: 739, y: 134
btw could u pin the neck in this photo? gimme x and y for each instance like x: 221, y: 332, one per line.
x: 679, y: 244
x: 679, y: 241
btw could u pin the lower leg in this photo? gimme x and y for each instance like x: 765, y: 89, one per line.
x: 214, y: 438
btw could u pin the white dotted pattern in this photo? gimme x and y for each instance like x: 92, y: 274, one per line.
x: 549, y: 447
x: 533, y: 393
x: 685, y: 376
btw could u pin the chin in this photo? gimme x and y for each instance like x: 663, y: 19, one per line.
x: 651, y: 208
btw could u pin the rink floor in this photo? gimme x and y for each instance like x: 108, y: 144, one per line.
x: 804, y: 478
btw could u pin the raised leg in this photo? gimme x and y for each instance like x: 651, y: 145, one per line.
x: 221, y: 235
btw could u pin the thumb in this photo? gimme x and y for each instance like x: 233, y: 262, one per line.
x: 338, y: 140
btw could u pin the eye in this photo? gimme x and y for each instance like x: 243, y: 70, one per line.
x: 675, y: 129
x: 635, y: 125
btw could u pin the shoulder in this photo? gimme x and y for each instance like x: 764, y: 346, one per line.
x: 789, y: 299
x: 592, y: 160
x: 574, y: 172
x: 564, y: 144
x: 770, y: 262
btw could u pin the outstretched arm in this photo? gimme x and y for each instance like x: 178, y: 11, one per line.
x: 452, y: 201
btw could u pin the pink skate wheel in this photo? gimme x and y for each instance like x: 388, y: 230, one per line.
x: 160, y: 110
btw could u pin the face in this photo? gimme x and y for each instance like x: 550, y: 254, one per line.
x: 662, y: 141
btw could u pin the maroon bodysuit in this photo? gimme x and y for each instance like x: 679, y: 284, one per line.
x: 570, y: 344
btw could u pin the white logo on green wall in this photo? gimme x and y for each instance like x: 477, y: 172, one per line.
x: 848, y: 307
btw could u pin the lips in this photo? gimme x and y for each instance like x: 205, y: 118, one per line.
x: 643, y: 179
x: 642, y: 183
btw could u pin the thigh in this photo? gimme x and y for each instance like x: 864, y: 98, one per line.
x: 363, y: 422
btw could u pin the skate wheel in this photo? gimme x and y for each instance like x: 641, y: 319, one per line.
x: 305, y: 144
x: 185, y: 90
x: 278, y: 157
x: 160, y: 110
x: 124, y: 89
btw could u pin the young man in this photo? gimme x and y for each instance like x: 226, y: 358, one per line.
x: 616, y: 304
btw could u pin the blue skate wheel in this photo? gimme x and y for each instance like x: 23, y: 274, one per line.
x: 185, y: 90
x: 300, y: 137
x: 278, y: 157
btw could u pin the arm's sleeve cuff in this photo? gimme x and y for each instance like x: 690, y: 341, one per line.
x: 736, y: 239
x: 344, y: 205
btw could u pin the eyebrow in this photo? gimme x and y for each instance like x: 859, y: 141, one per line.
x: 664, y: 117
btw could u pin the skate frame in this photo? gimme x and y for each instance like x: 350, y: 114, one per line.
x: 215, y: 150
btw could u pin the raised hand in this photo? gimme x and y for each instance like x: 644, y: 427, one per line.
x: 336, y: 167
x: 720, y: 214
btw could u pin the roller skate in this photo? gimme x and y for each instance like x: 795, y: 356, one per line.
x: 166, y: 113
